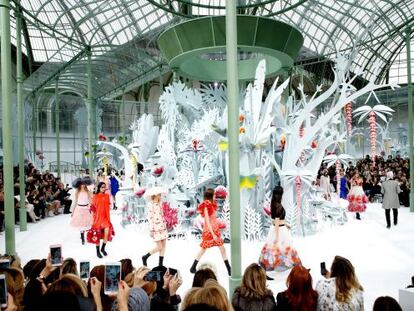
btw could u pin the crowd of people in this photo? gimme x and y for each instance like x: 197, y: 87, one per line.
x: 39, y: 285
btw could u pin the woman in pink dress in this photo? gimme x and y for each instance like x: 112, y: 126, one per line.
x: 81, y: 215
x: 211, y: 230
x: 157, y: 224
x: 356, y: 197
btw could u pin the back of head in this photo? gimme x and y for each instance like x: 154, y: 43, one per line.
x: 15, y: 284
x: 201, y: 276
x: 390, y: 175
x: 62, y: 301
x: 211, y: 294
x: 69, y: 266
x: 345, y: 279
x: 386, y: 303
x: 253, y: 284
x: 69, y: 283
x: 28, y: 268
x: 126, y: 267
x: 201, y: 307
x: 300, y: 292
x: 209, y: 194
x: 138, y: 300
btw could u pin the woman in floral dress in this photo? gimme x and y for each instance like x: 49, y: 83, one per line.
x: 157, y: 224
x: 278, y: 253
x: 211, y: 230
x: 356, y: 197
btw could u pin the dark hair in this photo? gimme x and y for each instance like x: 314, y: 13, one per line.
x: 386, y: 303
x: 276, y: 208
x: 209, y: 194
x: 28, y: 268
x: 126, y: 267
x: 98, y: 188
x: 63, y: 301
x: 202, y: 275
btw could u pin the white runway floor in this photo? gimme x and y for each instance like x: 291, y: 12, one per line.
x: 384, y: 258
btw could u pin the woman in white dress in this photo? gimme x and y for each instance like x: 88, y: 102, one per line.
x: 81, y: 214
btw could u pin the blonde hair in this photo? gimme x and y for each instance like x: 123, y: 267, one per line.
x: 253, y: 284
x: 345, y: 279
x: 15, y: 285
x: 212, y: 294
x: 69, y: 283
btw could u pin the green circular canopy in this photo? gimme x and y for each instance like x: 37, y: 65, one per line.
x: 197, y: 48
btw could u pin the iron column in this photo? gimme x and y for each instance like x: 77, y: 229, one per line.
x: 91, y: 115
x: 57, y: 126
x: 410, y: 116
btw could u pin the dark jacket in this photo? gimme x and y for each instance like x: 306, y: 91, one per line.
x: 244, y: 304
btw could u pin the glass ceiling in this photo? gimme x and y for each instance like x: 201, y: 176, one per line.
x: 58, y: 30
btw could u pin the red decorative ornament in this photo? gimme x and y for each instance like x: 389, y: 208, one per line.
x: 373, y: 135
x: 241, y: 118
x: 298, y: 183
x: 195, y: 143
x: 348, y: 117
x: 314, y: 144
x: 170, y: 215
x: 220, y: 192
x: 140, y: 192
x: 158, y: 171
x: 102, y: 137
x: 338, y: 176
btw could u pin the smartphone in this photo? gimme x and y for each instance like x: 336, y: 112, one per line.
x: 84, y: 268
x: 112, y: 278
x: 4, y: 263
x: 3, y: 291
x: 56, y: 255
x: 153, y: 276
x: 172, y: 271
x: 324, y: 271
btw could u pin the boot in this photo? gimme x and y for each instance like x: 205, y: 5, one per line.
x: 98, y: 253
x: 358, y: 216
x: 145, y: 258
x: 226, y: 262
x: 82, y: 234
x: 193, y: 268
x: 161, y: 261
x: 103, y: 249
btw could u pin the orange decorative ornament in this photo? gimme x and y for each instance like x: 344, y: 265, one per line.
x: 242, y: 130
x: 241, y: 118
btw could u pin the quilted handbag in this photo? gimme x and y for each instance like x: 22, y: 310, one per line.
x: 93, y: 236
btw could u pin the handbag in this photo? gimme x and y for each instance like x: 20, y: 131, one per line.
x: 93, y: 236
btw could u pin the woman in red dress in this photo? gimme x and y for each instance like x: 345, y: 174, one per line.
x: 211, y: 230
x: 101, y: 202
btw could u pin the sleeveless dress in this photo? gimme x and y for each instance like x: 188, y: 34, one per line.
x: 157, y: 224
x: 207, y: 240
x: 81, y: 218
x: 342, y: 188
x: 279, y: 255
x: 356, y: 197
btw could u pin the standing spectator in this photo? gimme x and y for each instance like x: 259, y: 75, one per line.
x: 325, y: 185
x: 390, y: 189
x: 341, y: 291
x: 253, y: 294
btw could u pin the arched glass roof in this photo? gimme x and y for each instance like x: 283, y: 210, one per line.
x: 58, y: 30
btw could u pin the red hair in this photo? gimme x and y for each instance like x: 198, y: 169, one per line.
x: 300, y: 292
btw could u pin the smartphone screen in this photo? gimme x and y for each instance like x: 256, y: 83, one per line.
x: 153, y: 276
x: 4, y: 263
x: 112, y: 277
x: 56, y: 255
x: 3, y: 291
x: 84, y: 268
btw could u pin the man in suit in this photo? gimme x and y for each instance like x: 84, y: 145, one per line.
x: 390, y: 190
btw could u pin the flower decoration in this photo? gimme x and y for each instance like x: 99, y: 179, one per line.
x: 170, y: 215
x: 242, y: 130
x: 102, y: 137
x: 282, y: 142
x: 157, y: 172
x: 241, y: 118
x: 223, y: 145
x: 140, y: 192
x: 220, y: 192
x: 195, y: 143
x: 314, y: 144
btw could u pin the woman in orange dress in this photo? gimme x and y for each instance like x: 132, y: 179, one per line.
x: 211, y: 230
x: 101, y: 202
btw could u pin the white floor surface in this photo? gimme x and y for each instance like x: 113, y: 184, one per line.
x: 384, y: 258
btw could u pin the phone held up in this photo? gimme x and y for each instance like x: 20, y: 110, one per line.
x: 153, y: 276
x: 84, y: 270
x: 112, y: 278
x: 56, y: 255
x: 4, y: 263
x: 324, y: 271
x: 3, y: 291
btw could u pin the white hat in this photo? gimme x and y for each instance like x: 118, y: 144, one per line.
x: 154, y: 191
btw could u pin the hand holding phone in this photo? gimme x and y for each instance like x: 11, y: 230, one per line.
x: 153, y: 276
x: 112, y: 278
x: 56, y: 255
x: 324, y: 271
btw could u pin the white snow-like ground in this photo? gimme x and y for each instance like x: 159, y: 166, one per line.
x: 383, y: 257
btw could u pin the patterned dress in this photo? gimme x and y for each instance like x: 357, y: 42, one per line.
x: 327, y: 302
x: 279, y: 255
x: 157, y: 224
x: 81, y: 218
x: 207, y: 238
x: 356, y: 197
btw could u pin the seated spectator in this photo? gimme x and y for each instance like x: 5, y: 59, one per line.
x: 126, y: 267
x: 253, y: 294
x: 202, y: 275
x: 341, y: 290
x: 165, y: 297
x: 201, y: 307
x: 69, y: 265
x: 131, y: 299
x: 299, y: 294
x: 98, y: 273
x: 386, y: 303
x: 62, y: 301
x: 211, y: 294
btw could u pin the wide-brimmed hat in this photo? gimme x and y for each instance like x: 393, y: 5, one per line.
x: 154, y: 191
x: 82, y: 181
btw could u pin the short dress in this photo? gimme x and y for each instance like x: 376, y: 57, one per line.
x: 101, y: 215
x: 157, y: 224
x: 81, y: 217
x: 207, y: 239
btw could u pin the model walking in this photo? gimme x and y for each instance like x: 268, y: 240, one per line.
x: 278, y: 253
x: 211, y: 230
x: 81, y: 216
x: 157, y: 224
x: 101, y: 217
x: 390, y: 188
x: 356, y: 197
